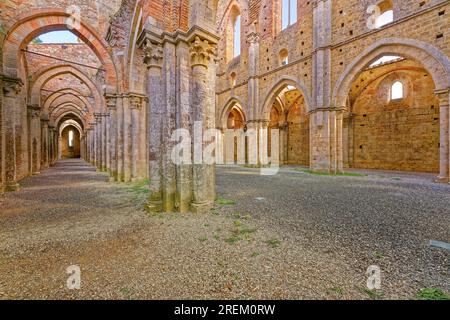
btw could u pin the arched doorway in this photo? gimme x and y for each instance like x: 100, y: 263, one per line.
x: 70, y: 143
x: 289, y: 116
x: 393, y: 118
x: 412, y: 86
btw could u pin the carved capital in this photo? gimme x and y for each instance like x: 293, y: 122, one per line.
x: 34, y: 110
x: 136, y: 102
x: 111, y: 101
x: 253, y: 38
x: 153, y: 54
x: 11, y: 86
x: 202, y: 52
x: 443, y: 96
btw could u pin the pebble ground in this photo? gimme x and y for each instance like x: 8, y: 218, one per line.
x: 290, y: 236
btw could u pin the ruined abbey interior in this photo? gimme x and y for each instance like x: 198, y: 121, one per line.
x: 350, y: 87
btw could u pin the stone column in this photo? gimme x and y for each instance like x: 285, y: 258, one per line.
x: 98, y: 140
x: 120, y: 141
x: 127, y: 139
x: 325, y: 119
x: 111, y: 101
x: 444, y: 157
x: 181, y: 96
x: 52, y: 145
x: 202, y: 102
x: 87, y: 157
x: 220, y: 146
x: 44, y: 142
x: 92, y: 145
x: 34, y: 145
x: 263, y: 143
x: 154, y: 59
x: 135, y: 109
x: 104, y: 139
x: 283, y: 144
x: 253, y: 72
x: 11, y: 90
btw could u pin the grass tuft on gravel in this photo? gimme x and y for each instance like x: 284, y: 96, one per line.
x: 225, y: 202
x: 139, y: 187
x: 432, y: 294
x: 373, y: 294
x: 273, y: 243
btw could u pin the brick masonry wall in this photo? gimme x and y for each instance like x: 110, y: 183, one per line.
x: 395, y: 135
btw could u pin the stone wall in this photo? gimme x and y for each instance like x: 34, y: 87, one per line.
x: 395, y: 135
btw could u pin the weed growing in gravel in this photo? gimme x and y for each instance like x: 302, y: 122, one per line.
x: 232, y: 240
x: 432, y: 294
x: 203, y: 239
x: 255, y: 254
x: 345, y: 174
x: 378, y: 255
x: 237, y: 223
x: 125, y: 291
x: 373, y: 294
x: 139, y: 188
x: 225, y: 202
x: 336, y: 290
x: 273, y: 243
x: 215, y: 211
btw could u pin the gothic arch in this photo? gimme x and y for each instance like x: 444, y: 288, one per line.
x: 37, y: 22
x: 40, y: 78
x: 232, y: 102
x: 276, y: 89
x: 434, y: 61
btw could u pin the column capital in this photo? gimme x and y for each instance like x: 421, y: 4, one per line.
x: 253, y: 37
x: 443, y: 96
x: 136, y: 99
x: 34, y: 110
x: 202, y: 51
x: 11, y: 86
x: 153, y: 53
x: 111, y: 100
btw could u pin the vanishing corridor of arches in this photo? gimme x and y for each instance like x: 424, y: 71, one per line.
x: 292, y: 82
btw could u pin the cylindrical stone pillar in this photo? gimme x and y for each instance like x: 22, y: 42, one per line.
x: 11, y: 90
x: 153, y: 59
x: 444, y: 161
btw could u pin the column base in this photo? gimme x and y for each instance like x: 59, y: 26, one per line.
x: 203, y: 207
x: 442, y: 180
x: 153, y: 206
x: 35, y: 173
x: 11, y: 187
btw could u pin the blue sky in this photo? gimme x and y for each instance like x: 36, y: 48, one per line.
x: 59, y: 37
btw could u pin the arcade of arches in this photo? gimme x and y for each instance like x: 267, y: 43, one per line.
x: 339, y: 93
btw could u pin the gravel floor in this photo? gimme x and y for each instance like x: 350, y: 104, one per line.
x: 293, y: 235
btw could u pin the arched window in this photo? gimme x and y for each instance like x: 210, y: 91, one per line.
x: 233, y: 79
x: 237, y: 37
x: 71, y: 139
x: 397, y: 91
x: 288, y: 13
x: 386, y: 14
x: 284, y: 57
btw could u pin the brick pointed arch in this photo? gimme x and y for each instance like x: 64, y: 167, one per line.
x: 37, y: 22
x: 434, y: 61
x: 276, y: 89
x: 232, y: 102
x: 64, y: 93
x: 69, y: 123
x: 68, y: 109
x: 40, y: 78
